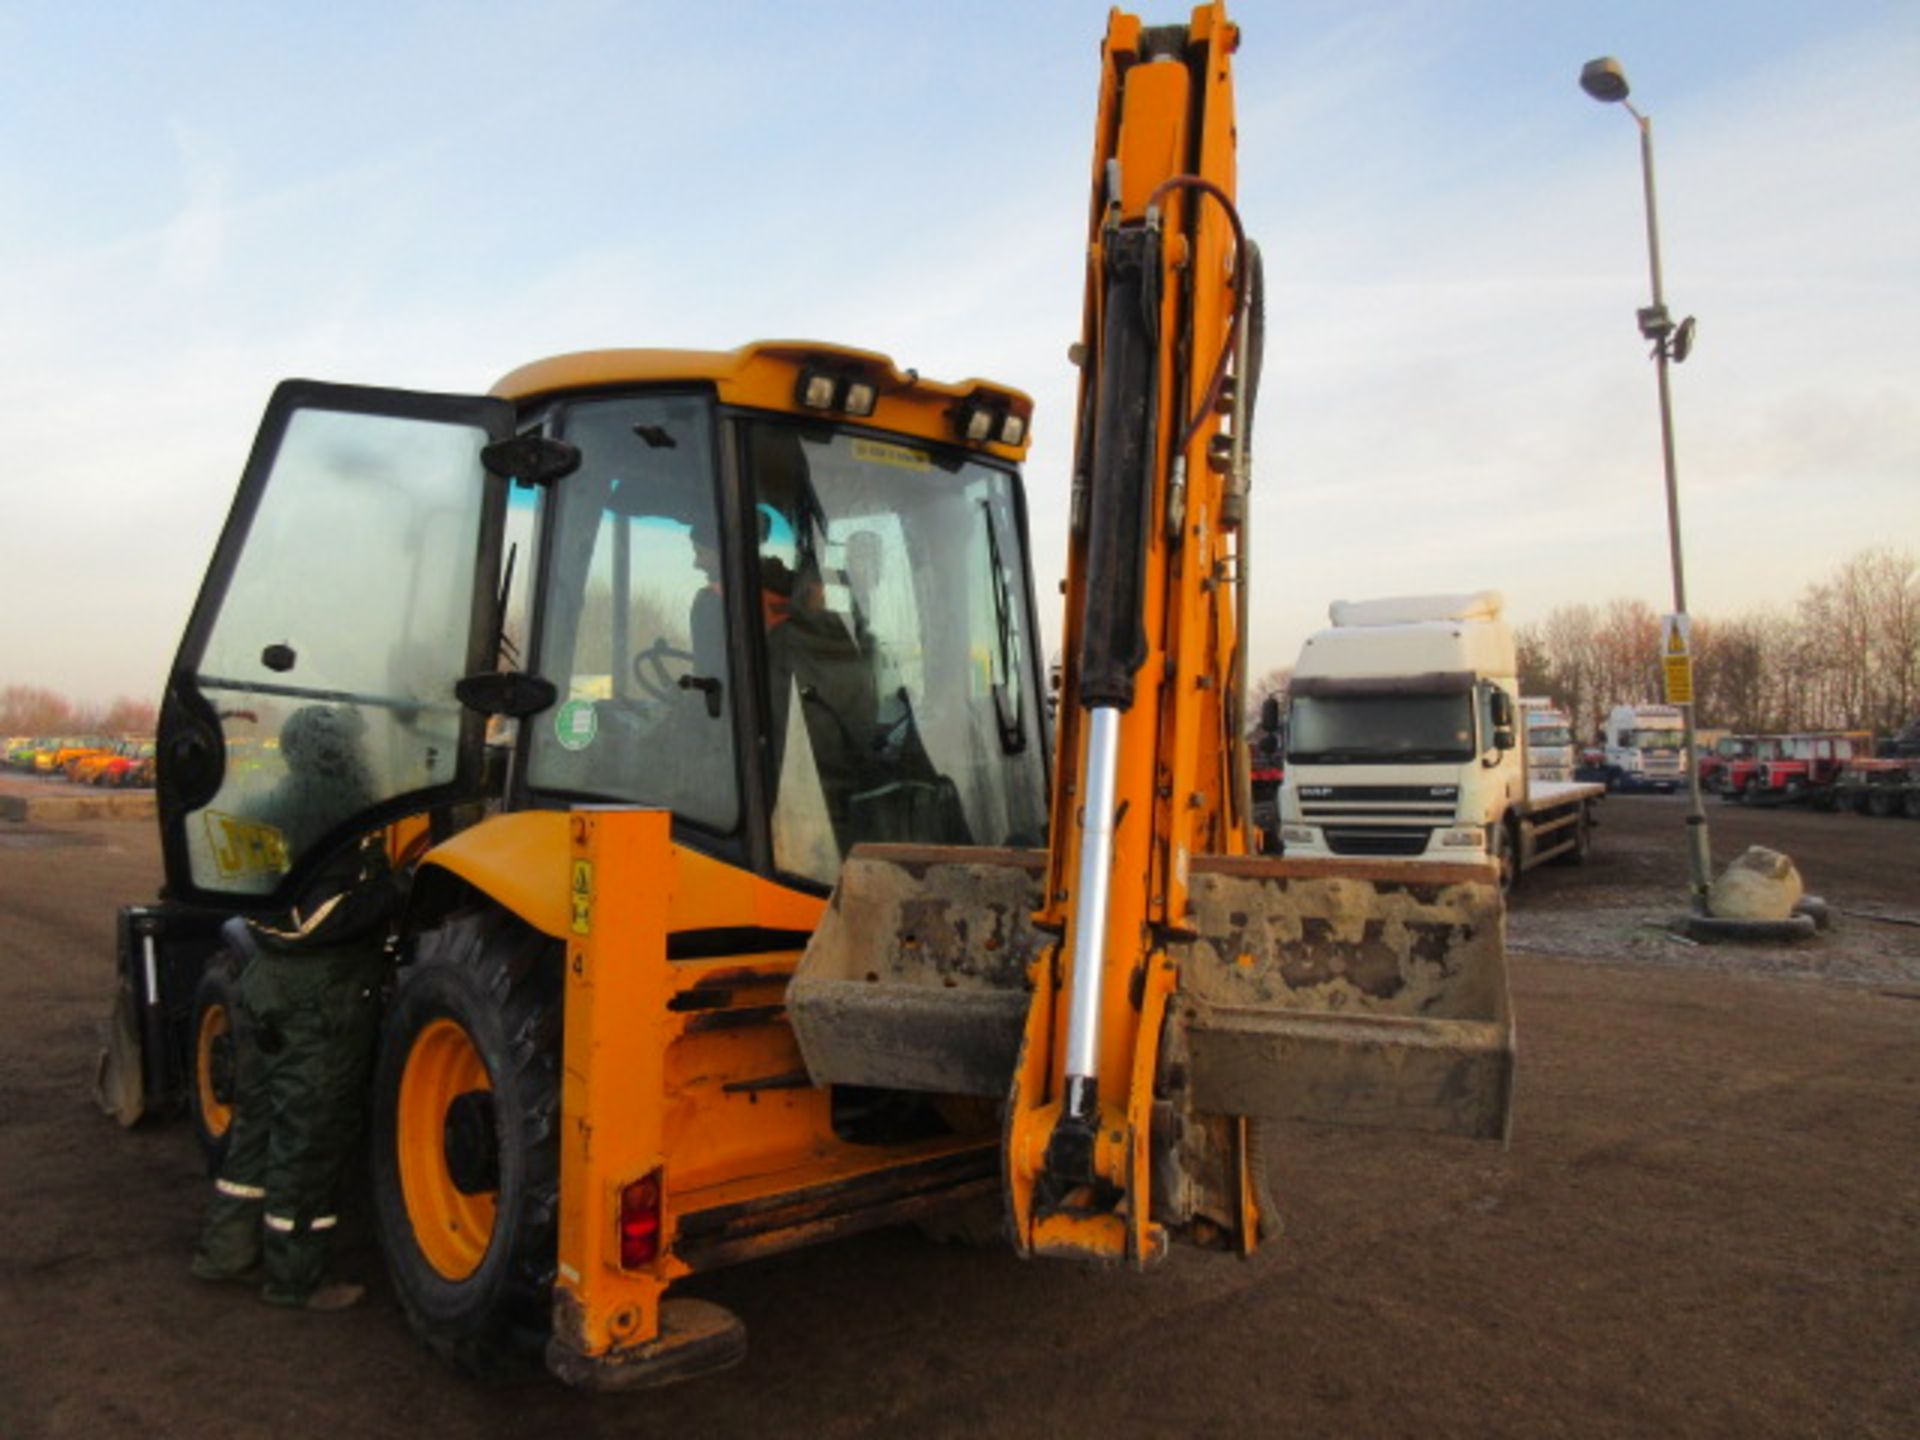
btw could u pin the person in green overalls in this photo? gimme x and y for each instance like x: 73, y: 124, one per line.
x: 309, y: 1003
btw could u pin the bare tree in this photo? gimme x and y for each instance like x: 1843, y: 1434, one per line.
x: 30, y: 710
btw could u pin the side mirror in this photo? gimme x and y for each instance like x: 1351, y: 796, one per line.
x: 531, y: 459
x: 1503, y: 738
x: 505, y: 692
x: 1270, y: 714
x: 1502, y: 708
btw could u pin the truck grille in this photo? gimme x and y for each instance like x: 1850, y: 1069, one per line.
x: 1378, y: 819
x: 1378, y: 840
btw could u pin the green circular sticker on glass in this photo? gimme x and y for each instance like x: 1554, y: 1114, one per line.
x: 576, y: 724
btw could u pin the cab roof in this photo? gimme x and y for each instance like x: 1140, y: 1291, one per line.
x: 764, y: 375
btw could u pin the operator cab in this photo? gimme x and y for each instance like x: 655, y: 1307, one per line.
x: 796, y: 615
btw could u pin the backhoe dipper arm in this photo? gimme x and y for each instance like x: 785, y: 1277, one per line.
x: 1144, y: 775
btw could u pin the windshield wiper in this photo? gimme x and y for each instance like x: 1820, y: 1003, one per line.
x: 1006, y: 709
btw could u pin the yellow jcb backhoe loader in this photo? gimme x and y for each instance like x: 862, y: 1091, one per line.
x: 758, y: 908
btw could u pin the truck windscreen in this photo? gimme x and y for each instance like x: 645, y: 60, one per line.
x: 1380, y: 729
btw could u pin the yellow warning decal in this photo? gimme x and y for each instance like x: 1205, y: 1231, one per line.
x: 245, y: 847
x: 879, y: 452
x: 582, y: 891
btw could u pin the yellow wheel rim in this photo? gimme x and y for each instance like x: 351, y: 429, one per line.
x: 452, y: 1229
x: 216, y: 1113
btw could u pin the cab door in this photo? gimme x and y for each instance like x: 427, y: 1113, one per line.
x: 312, y: 699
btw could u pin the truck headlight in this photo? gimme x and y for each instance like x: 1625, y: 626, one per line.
x: 1299, y: 835
x: 1473, y: 839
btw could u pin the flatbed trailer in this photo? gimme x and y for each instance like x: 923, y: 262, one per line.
x: 1554, y: 820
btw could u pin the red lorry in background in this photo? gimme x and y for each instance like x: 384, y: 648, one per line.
x: 1887, y: 783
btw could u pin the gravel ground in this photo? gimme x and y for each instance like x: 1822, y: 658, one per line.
x: 1617, y: 907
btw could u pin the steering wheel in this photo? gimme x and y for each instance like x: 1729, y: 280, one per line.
x: 650, y: 671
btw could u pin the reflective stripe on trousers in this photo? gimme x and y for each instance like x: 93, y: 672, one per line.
x: 286, y: 1224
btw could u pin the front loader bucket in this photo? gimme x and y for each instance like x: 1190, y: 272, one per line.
x: 1369, y: 993
x: 916, y: 978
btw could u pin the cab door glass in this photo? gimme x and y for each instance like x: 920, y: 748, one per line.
x: 344, y: 624
x: 634, y: 630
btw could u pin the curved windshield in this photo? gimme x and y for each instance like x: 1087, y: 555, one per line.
x: 1540, y: 736
x: 1380, y: 729
x: 900, y: 699
x: 1654, y: 740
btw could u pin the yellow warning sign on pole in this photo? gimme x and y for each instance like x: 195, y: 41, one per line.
x: 1678, y: 670
x: 1676, y: 658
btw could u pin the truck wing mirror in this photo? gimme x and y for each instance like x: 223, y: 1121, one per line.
x: 1503, y: 714
x: 1270, y: 714
x: 1503, y: 738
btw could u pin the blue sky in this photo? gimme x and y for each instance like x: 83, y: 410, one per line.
x: 199, y: 199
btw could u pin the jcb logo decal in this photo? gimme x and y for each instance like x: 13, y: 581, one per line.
x: 245, y: 847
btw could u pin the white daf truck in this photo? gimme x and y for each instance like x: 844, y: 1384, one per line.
x: 1548, y: 735
x: 1403, y: 740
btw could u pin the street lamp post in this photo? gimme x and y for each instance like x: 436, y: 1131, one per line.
x: 1605, y: 81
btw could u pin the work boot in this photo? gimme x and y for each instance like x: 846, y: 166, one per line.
x: 205, y: 1269
x: 325, y: 1298
x: 335, y: 1295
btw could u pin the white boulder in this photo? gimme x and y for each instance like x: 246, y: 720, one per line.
x: 1761, y: 885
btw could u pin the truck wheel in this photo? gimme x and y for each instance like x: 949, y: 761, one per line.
x: 466, y: 1155
x: 1505, y: 854
x: 216, y: 1013
x: 1881, y: 801
x: 1582, y: 841
x: 1911, y: 803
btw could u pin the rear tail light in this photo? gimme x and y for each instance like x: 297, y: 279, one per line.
x: 640, y: 1222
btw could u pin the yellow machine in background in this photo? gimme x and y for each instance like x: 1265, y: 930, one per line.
x: 761, y: 908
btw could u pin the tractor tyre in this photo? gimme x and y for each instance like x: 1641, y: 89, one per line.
x: 215, y: 1055
x: 1910, y: 802
x: 1882, y: 801
x: 466, y: 1150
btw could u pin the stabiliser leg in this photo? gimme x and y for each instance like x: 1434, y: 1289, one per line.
x: 614, y: 1328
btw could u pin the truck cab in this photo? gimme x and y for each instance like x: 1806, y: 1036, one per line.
x: 1806, y: 769
x: 1741, y: 760
x: 1646, y: 748
x: 1403, y: 740
x: 1548, y: 737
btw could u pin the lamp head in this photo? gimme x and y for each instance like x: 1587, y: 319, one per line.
x: 1603, y: 79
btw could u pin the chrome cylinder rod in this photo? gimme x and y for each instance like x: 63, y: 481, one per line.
x: 1091, y: 897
